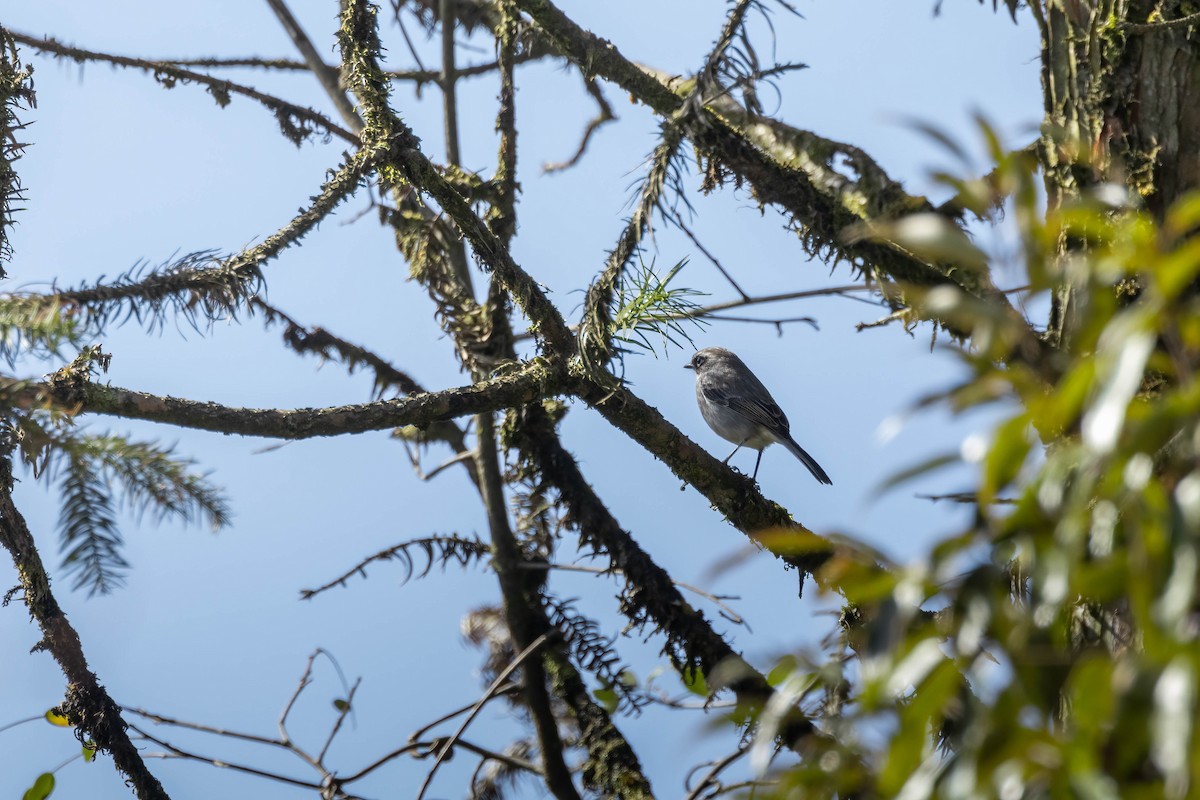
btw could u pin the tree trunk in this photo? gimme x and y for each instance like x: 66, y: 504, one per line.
x: 1122, y: 104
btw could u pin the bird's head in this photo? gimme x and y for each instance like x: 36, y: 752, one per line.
x: 710, y: 357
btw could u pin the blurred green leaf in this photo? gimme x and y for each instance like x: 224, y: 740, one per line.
x: 693, y: 681
x: 41, y: 789
x: 1005, y: 457
x: 782, y: 669
x: 607, y: 698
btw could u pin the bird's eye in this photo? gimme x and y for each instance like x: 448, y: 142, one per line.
x: 698, y: 361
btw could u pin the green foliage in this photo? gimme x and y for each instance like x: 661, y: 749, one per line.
x: 1049, y: 649
x: 151, y: 479
x: 649, y: 308
x: 40, y: 326
x: 89, y: 470
x: 42, y: 787
x: 90, y: 541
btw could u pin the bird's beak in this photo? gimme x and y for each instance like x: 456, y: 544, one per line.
x: 688, y: 366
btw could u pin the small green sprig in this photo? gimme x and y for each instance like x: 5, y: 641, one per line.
x: 648, y: 308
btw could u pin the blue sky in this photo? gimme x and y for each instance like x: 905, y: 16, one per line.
x: 210, y: 628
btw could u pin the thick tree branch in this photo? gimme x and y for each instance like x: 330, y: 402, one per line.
x: 328, y: 346
x: 360, y: 49
x: 612, y: 768
x: 88, y: 706
x: 733, y: 494
x: 651, y: 595
x: 532, y: 382
x: 522, y: 612
x: 790, y: 168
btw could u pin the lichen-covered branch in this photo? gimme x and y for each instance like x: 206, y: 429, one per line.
x: 322, y: 343
x: 88, y: 706
x: 650, y: 595
x: 360, y: 48
x: 596, y: 329
x: 326, y: 75
x: 523, y: 613
x: 734, y: 495
x: 612, y: 768
x: 532, y: 382
x: 793, y: 169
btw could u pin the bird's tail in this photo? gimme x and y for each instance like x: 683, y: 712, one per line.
x: 807, y: 460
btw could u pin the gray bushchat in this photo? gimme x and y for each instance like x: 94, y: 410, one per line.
x: 739, y: 408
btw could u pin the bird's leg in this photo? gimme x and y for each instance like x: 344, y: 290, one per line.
x: 757, y: 461
x: 731, y: 455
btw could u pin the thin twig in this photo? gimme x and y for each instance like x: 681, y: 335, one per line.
x: 317, y: 340
x: 404, y: 749
x: 493, y: 755
x: 778, y: 323
x: 678, y: 219
x: 603, y: 116
x: 895, y: 316
x: 343, y: 711
x: 495, y: 686
x: 462, y: 456
x: 257, y: 62
x: 710, y: 778
x: 963, y: 497
x: 178, y: 752
x: 167, y: 70
x: 784, y: 296
x: 160, y: 719
x: 708, y: 311
x: 1164, y: 25
x: 446, y: 9
x: 27, y: 719
x: 412, y: 50
x: 327, y: 75
x: 716, y: 599
x: 305, y: 681
x: 451, y: 546
x: 416, y: 735
x: 420, y: 76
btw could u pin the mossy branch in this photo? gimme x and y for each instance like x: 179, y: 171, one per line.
x: 531, y: 382
x: 87, y: 706
x: 792, y: 169
x: 407, y: 164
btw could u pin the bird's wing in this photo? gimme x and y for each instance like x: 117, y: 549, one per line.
x: 765, y: 413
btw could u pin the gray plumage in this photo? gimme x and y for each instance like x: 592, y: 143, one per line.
x: 739, y: 408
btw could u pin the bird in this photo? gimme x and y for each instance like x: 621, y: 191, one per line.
x: 739, y: 409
